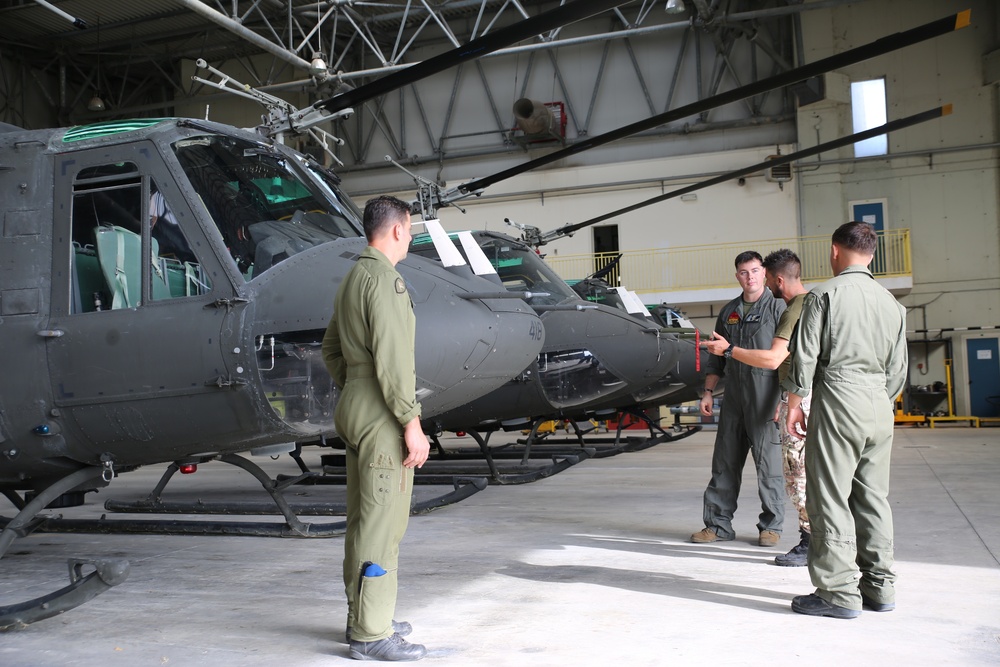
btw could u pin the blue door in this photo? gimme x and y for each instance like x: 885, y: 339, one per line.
x: 984, y: 376
x: 874, y: 214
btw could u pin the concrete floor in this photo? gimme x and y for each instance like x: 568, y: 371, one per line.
x: 590, y: 567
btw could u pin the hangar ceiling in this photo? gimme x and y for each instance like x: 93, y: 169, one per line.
x: 635, y: 61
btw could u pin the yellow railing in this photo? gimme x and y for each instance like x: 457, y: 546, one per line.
x: 707, y: 267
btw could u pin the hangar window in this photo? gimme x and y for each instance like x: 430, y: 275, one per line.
x: 868, y: 108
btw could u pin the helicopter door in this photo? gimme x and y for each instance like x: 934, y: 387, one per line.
x: 137, y: 341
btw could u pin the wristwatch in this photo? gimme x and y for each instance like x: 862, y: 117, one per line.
x: 728, y: 354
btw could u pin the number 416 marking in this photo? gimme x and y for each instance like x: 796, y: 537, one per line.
x: 535, y: 332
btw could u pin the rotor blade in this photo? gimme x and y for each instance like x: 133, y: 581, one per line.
x: 562, y: 15
x: 850, y: 57
x: 599, y: 275
x: 783, y: 159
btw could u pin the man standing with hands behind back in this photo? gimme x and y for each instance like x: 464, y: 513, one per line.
x: 850, y: 351
x: 369, y: 351
x: 745, y: 425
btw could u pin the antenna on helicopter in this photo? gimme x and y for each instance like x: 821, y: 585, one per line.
x: 430, y: 195
x: 529, y: 233
x: 282, y: 116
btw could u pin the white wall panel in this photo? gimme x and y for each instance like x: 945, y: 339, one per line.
x: 948, y: 199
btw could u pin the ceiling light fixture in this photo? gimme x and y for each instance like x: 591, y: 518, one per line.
x: 96, y: 103
x: 317, y: 65
x: 77, y: 22
x: 675, y: 7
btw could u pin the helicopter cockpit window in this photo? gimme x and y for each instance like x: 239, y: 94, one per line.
x: 175, y: 266
x: 600, y: 292
x: 107, y: 239
x: 521, y: 269
x: 265, y: 207
x: 518, y: 266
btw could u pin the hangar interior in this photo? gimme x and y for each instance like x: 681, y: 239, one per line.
x: 932, y: 189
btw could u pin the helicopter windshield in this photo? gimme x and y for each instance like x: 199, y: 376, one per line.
x: 268, y: 206
x: 521, y: 269
x: 518, y: 266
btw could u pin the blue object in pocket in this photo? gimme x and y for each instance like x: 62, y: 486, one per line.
x: 373, y: 570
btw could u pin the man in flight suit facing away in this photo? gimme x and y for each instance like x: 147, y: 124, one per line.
x: 745, y: 425
x: 850, y: 352
x: 369, y: 351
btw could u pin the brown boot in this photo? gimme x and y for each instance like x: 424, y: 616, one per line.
x: 708, y: 534
x: 768, y: 538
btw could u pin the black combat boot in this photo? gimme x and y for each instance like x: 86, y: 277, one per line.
x: 797, y: 557
x: 390, y: 649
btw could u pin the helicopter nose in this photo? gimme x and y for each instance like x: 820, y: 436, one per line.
x: 478, y: 347
x: 464, y: 348
x: 684, y: 380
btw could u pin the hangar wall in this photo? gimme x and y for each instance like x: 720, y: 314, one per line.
x: 944, y: 183
x: 550, y: 199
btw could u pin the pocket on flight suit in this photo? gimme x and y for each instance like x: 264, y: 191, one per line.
x: 385, y: 467
x: 774, y: 433
x: 375, y: 595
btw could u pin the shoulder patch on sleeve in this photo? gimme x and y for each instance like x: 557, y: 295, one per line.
x: 400, y: 286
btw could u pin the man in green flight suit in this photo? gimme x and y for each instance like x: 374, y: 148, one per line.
x: 784, y: 278
x: 745, y: 426
x: 850, y: 351
x: 369, y: 351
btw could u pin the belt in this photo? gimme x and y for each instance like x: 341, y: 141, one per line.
x: 861, y: 379
x: 360, y: 371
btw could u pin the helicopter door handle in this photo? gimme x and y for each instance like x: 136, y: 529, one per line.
x: 50, y: 333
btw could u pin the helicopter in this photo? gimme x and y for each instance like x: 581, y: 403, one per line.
x: 596, y: 356
x: 162, y: 267
x: 188, y: 268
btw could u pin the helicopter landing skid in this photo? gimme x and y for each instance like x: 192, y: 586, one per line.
x: 106, y: 574
x: 444, y: 461
x: 292, y: 527
x: 618, y: 444
x: 463, y: 488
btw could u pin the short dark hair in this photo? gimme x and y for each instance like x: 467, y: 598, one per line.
x: 748, y: 256
x: 859, y: 237
x: 382, y: 212
x: 783, y: 262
